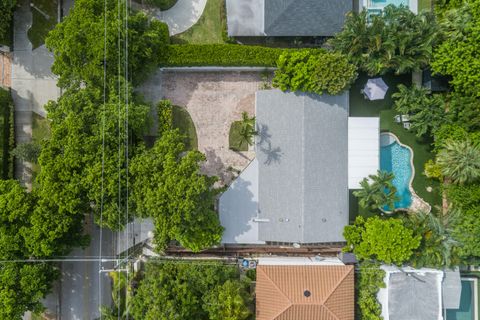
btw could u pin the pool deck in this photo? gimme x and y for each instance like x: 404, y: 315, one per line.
x: 418, y: 204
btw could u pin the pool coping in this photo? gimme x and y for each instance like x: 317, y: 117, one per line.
x: 415, y: 196
x: 475, y: 294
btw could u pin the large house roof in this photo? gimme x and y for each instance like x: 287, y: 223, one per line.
x: 305, y: 292
x: 302, y: 153
x: 286, y: 17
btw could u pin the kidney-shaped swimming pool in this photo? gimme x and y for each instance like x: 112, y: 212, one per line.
x: 397, y: 159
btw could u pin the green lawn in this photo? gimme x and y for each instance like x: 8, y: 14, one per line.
x: 422, y: 152
x: 361, y: 107
x: 210, y: 27
x: 41, y: 25
x: 40, y: 132
x: 424, y: 5
x: 183, y: 121
x: 236, y: 142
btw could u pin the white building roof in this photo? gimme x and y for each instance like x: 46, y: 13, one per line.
x: 363, y: 149
x: 238, y: 208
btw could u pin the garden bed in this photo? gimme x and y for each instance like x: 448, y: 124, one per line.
x: 184, y: 123
x: 235, y: 139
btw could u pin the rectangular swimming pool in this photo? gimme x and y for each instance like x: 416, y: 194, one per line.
x: 384, y: 3
x: 468, y: 302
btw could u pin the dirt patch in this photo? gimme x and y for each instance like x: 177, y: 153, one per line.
x: 5, y: 70
x: 215, y: 100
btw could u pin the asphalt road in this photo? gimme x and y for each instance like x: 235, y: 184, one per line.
x: 83, y: 289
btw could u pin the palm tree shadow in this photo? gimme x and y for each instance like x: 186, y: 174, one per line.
x: 264, y: 144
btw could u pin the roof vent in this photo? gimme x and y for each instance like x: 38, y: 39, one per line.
x: 307, y: 293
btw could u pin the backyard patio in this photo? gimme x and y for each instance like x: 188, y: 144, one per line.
x: 362, y: 107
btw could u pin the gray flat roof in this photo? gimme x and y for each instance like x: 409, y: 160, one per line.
x: 413, y: 296
x: 302, y: 153
x: 286, y: 17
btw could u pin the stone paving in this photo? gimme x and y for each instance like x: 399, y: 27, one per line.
x: 214, y: 100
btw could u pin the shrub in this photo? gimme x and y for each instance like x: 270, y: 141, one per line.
x: 432, y: 170
x: 29, y: 151
x: 368, y: 283
x: 191, y: 55
x: 7, y: 134
x: 165, y: 116
x: 386, y: 240
x: 314, y: 71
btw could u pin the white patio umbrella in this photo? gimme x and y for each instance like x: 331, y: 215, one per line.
x: 375, y: 89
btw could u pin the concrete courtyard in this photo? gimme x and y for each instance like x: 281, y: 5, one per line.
x: 214, y: 100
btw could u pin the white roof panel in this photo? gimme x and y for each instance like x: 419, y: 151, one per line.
x: 363, y: 149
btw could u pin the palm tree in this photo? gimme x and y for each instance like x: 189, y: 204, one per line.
x: 437, y: 248
x: 378, y: 194
x: 460, y: 161
x: 247, y: 130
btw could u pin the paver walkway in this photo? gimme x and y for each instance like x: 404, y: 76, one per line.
x: 214, y: 100
x: 33, y: 83
x: 181, y: 17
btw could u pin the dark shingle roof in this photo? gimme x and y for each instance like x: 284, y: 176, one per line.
x: 305, y: 17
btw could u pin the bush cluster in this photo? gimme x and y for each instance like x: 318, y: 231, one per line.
x: 7, y: 134
x: 231, y: 55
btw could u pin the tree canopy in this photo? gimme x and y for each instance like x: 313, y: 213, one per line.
x: 457, y: 55
x: 314, y: 71
x: 6, y: 13
x: 172, y: 290
x: 169, y: 187
x: 78, y: 43
x: 22, y: 285
x: 377, y: 192
x: 398, y: 40
x: 385, y: 240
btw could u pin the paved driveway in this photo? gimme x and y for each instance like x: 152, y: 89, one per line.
x: 214, y: 100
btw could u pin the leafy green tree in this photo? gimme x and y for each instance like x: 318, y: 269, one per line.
x: 169, y: 187
x: 457, y: 54
x: 398, y: 40
x: 172, y: 290
x: 368, y: 282
x: 314, y: 71
x: 427, y: 112
x: 385, y: 240
x: 22, y: 285
x: 437, y: 249
x: 460, y: 161
x: 379, y: 193
x: 227, y: 302
x: 6, y: 13
x: 466, y: 232
x: 28, y: 151
x: 78, y: 43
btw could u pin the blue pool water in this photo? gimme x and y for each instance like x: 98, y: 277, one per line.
x: 465, y: 312
x: 384, y: 3
x: 396, y: 158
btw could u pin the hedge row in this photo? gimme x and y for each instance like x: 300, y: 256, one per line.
x: 231, y: 55
x: 7, y: 134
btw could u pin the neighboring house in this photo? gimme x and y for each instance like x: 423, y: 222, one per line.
x: 304, y: 288
x: 419, y: 294
x: 286, y: 18
x: 309, y: 153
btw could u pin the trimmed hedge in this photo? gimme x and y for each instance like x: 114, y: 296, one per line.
x: 231, y: 55
x: 7, y: 134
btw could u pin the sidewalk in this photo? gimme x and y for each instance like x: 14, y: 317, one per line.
x: 33, y: 83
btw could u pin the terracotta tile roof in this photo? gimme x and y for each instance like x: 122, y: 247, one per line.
x: 305, y: 292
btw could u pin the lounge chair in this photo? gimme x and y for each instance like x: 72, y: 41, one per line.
x: 407, y: 125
